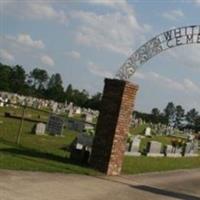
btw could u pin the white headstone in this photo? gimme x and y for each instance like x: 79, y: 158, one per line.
x: 134, y: 147
x: 71, y: 112
x: 89, y: 118
x: 78, y: 110
x: 40, y: 129
x: 54, y: 107
x: 155, y: 149
x: 170, y: 149
x: 148, y: 131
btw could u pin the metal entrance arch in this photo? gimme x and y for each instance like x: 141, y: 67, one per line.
x: 119, y: 96
x: 162, y: 42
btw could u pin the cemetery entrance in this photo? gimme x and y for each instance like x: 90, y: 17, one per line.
x: 119, y: 95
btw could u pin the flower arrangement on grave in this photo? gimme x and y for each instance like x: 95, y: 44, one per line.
x: 129, y: 138
x: 89, y: 131
x: 197, y: 136
x: 177, y: 142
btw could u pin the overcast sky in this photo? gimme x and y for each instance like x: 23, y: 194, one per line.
x: 87, y: 40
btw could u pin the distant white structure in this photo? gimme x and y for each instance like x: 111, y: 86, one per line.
x: 1, y: 102
x: 148, y: 132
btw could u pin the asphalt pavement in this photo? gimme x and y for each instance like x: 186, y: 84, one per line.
x: 20, y: 185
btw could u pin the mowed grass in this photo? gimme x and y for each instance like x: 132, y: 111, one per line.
x: 47, y: 153
x: 135, y: 165
x: 35, y: 153
x: 20, y: 158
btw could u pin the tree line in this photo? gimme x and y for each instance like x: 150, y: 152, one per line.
x: 38, y: 83
x: 173, y: 115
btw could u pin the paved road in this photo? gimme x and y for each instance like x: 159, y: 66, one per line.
x: 18, y: 185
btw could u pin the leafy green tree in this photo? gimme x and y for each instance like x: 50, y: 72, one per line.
x: 197, y: 122
x: 155, y: 112
x: 69, y: 93
x: 170, y: 112
x: 94, y: 102
x: 55, y: 88
x: 39, y: 77
x: 180, y: 112
x: 191, y: 116
x: 17, y: 79
x: 80, y: 98
x: 5, y: 72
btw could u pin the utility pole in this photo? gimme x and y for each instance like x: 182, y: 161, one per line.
x: 21, y: 126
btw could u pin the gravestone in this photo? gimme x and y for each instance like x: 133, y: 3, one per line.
x: 196, y: 147
x: 71, y: 112
x: 148, y: 132
x: 54, y: 107
x: 170, y: 151
x: 40, y: 129
x: 178, y: 152
x: 78, y: 110
x: 155, y: 149
x: 88, y: 118
x: 134, y: 147
x: 55, y: 125
x: 191, y: 149
x: 89, y: 126
x: 75, y: 125
x: 35, y: 104
x: 70, y: 106
x: 80, y: 149
x: 188, y: 148
x: 1, y: 102
x: 85, y: 140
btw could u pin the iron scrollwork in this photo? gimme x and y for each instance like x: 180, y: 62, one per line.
x: 162, y: 42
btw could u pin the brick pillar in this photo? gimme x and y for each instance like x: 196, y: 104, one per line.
x: 113, y: 125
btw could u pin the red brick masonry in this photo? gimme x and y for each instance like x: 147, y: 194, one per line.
x: 113, y: 125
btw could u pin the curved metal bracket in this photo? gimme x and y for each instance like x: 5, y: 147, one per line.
x: 166, y: 40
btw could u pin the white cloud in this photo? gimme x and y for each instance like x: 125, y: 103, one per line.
x: 188, y: 56
x: 191, y: 86
x: 173, y: 15
x: 23, y: 47
x: 116, y: 31
x: 186, y: 86
x: 47, y: 60
x: 26, y: 39
x: 197, y: 2
x: 6, y: 56
x: 38, y: 10
x: 165, y: 81
x: 73, y: 54
x: 139, y: 75
x: 95, y: 69
x: 121, y: 5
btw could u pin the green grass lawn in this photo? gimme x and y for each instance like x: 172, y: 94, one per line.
x: 47, y: 153
x: 135, y: 165
x: 35, y: 153
x: 138, y: 130
x: 21, y: 158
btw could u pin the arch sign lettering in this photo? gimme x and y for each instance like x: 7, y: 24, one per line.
x: 169, y: 39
